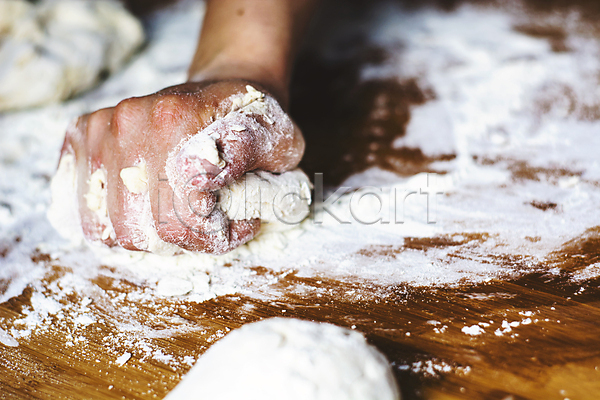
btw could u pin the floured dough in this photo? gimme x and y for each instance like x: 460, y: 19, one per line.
x: 272, y: 198
x: 53, y: 49
x: 63, y: 212
x: 276, y: 199
x: 284, y: 358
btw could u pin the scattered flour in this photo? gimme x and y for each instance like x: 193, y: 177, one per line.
x: 284, y: 358
x: 434, y: 368
x: 473, y: 330
x: 123, y: 359
x: 489, y: 81
x: 7, y: 340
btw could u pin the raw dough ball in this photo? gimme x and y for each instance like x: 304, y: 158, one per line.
x: 279, y: 201
x: 52, y: 50
x: 283, y: 358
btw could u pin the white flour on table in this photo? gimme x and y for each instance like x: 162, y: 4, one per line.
x: 497, y: 97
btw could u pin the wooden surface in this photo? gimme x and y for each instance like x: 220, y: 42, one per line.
x: 551, y: 350
x: 555, y: 356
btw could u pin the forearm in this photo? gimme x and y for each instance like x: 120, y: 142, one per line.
x: 254, y: 40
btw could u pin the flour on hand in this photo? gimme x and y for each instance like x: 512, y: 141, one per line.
x: 280, y: 201
x: 285, y: 358
x: 135, y: 178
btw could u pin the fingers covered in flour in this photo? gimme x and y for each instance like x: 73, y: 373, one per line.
x: 194, y: 223
x: 250, y: 131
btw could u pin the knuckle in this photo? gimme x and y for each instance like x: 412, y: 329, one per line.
x: 170, y: 232
x: 168, y: 108
x: 125, y: 116
x: 97, y: 121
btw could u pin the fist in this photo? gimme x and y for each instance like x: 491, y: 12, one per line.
x: 147, y: 170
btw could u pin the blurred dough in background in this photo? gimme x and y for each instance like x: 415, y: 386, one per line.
x: 54, y: 49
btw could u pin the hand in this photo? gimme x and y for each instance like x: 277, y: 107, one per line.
x: 177, y: 200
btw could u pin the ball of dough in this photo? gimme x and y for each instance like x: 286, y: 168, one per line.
x: 284, y: 358
x: 52, y: 50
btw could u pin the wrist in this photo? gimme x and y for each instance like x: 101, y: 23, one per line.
x: 272, y: 78
x: 251, y: 40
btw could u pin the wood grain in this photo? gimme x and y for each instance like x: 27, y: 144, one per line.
x: 551, y: 351
x: 555, y: 356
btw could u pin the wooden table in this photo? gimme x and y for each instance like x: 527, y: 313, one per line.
x: 536, y: 336
x: 551, y: 350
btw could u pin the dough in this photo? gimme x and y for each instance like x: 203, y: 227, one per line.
x: 52, y: 50
x: 135, y: 178
x: 63, y: 212
x: 276, y: 199
x: 284, y: 358
x: 204, y: 146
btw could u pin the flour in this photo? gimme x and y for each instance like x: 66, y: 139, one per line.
x: 7, y: 340
x: 283, y: 358
x: 479, y: 194
x: 203, y: 146
x: 487, y: 79
x: 60, y: 48
x: 63, y: 212
x: 122, y: 360
x: 281, y: 199
x: 472, y: 330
